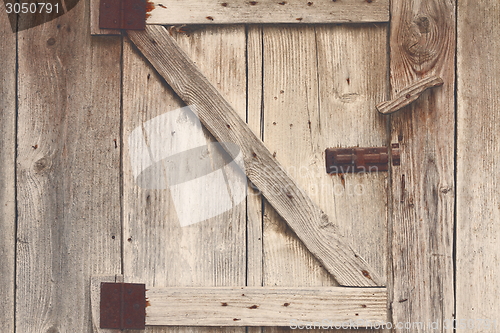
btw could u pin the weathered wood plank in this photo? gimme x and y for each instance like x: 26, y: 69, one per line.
x: 423, y: 44
x: 267, y: 11
x: 357, y: 56
x: 347, y: 118
x: 158, y: 251
x: 327, y: 79
x: 261, y: 306
x: 7, y: 172
x: 254, y: 119
x: 68, y: 171
x: 307, y: 220
x: 290, y: 95
x: 478, y: 161
x: 409, y: 94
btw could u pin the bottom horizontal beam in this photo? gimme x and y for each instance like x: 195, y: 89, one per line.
x: 264, y: 306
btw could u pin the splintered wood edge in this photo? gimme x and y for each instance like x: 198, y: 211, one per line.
x: 266, y: 306
x: 308, y: 221
x: 409, y: 94
x: 95, y: 300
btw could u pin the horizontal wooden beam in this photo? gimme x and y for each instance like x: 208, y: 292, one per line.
x: 305, y: 218
x: 267, y: 11
x: 263, y: 306
x: 409, y: 94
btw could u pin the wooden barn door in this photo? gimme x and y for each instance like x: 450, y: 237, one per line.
x: 302, y: 89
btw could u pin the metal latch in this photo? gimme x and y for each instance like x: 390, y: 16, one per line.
x: 123, y: 306
x: 122, y: 14
x: 356, y: 159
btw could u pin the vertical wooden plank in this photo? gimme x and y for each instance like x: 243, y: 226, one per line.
x: 352, y: 72
x: 254, y: 120
x: 157, y: 250
x: 8, y: 50
x: 68, y: 171
x: 478, y: 142
x: 423, y: 43
x: 290, y: 94
x: 320, y: 87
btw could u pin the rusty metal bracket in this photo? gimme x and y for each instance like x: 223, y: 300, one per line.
x: 123, y: 306
x: 122, y: 14
x: 356, y: 159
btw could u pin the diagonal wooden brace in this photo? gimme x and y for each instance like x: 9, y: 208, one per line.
x: 306, y: 219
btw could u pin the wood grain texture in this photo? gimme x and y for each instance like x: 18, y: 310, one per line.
x: 68, y: 171
x: 255, y: 201
x: 478, y: 142
x: 320, y: 87
x: 308, y: 221
x: 254, y: 120
x: 267, y: 11
x: 409, y: 94
x: 263, y: 306
x: 423, y: 44
x: 8, y: 50
x: 158, y: 251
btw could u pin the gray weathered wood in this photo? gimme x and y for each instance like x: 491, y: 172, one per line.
x: 423, y: 44
x: 320, y: 85
x: 267, y: 11
x: 290, y: 95
x: 157, y: 250
x: 478, y: 162
x: 307, y: 220
x: 254, y: 118
x: 7, y: 172
x: 68, y: 171
x: 346, y: 117
x: 264, y: 306
x: 409, y: 94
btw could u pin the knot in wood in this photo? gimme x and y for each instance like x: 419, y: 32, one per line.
x: 422, y: 42
x: 42, y: 164
x: 422, y: 23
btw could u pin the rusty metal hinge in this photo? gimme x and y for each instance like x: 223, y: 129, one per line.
x: 355, y: 160
x: 122, y: 14
x: 123, y: 306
